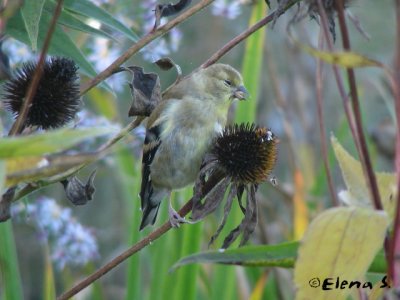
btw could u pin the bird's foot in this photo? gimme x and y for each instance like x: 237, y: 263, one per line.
x: 175, y: 219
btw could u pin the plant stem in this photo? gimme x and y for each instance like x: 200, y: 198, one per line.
x: 394, y: 253
x: 245, y: 34
x: 211, y: 183
x: 365, y: 158
x: 18, y: 125
x: 322, y: 134
x: 143, y: 42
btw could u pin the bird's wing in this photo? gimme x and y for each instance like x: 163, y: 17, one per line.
x: 151, y: 144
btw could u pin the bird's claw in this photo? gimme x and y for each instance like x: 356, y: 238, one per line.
x: 175, y: 219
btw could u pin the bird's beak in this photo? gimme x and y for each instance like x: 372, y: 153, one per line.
x: 241, y: 93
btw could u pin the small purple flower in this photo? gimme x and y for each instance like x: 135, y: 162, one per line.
x: 155, y: 50
x: 70, y: 243
x: 161, y: 47
x: 227, y: 9
x: 103, y: 54
x: 17, y: 52
x: 77, y: 246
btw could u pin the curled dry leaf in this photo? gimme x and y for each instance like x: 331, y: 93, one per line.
x: 166, y: 10
x: 145, y: 90
x: 77, y: 192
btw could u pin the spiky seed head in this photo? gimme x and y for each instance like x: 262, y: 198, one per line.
x: 56, y: 99
x: 246, y: 153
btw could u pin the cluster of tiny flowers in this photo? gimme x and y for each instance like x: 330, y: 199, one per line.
x: 70, y: 243
x: 87, y: 119
x: 103, y: 53
x: 226, y: 8
x: 161, y: 47
x: 17, y: 52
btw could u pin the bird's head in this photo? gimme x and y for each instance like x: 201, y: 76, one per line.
x: 224, y: 82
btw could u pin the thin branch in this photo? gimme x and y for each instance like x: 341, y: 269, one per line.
x: 101, y: 150
x: 336, y: 73
x: 18, y: 126
x: 245, y: 34
x: 211, y: 183
x: 394, y: 253
x: 143, y: 42
x: 365, y: 158
x: 322, y: 130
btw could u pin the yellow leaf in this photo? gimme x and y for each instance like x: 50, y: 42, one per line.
x: 2, y: 175
x: 300, y: 211
x: 259, y: 288
x: 31, y: 169
x: 357, y: 193
x: 345, y: 59
x: 339, y: 244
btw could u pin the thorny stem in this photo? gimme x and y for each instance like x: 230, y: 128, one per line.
x: 143, y: 42
x: 211, y: 183
x: 322, y: 137
x: 394, y: 253
x: 365, y: 158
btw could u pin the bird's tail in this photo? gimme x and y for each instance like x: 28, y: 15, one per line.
x: 150, y: 205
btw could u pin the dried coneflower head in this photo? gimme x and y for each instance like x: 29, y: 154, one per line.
x: 246, y: 153
x: 56, y: 99
x: 241, y: 158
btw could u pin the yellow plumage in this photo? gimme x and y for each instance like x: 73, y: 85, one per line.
x: 180, y: 131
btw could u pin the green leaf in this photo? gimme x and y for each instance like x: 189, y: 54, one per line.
x: 88, y: 9
x: 9, y: 269
x: 252, y: 65
x: 69, y: 20
x: 61, y: 44
x: 48, y: 142
x: 31, y: 13
x: 281, y: 255
x: 330, y: 241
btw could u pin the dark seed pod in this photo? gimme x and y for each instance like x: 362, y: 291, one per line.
x: 330, y: 10
x: 246, y: 153
x: 56, y: 100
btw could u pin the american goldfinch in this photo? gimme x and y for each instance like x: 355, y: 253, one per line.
x: 180, y: 131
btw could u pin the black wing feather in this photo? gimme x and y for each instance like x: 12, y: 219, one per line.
x: 151, y: 144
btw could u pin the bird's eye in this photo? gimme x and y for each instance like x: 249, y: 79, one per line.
x: 228, y: 82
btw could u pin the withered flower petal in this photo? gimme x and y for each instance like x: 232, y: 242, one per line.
x: 56, y: 100
x: 241, y: 158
